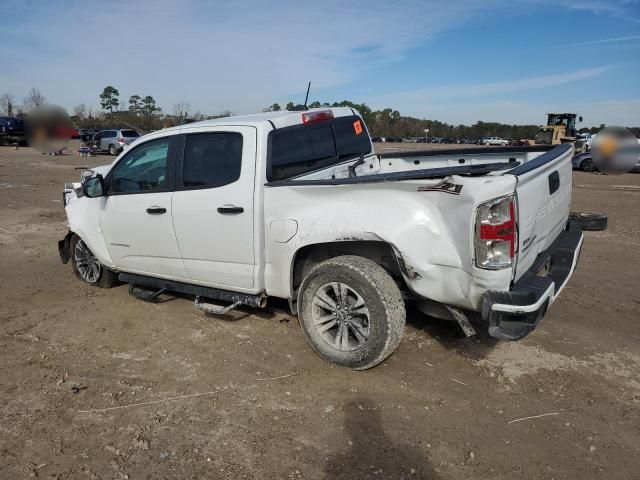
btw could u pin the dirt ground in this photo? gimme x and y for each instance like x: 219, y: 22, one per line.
x: 95, y: 384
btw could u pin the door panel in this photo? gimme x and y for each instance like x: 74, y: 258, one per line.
x: 139, y: 241
x: 136, y: 219
x: 212, y: 207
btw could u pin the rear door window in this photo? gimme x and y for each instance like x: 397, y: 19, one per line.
x: 211, y: 159
x: 304, y: 148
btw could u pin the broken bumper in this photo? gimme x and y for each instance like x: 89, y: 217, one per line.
x: 513, y: 315
x: 64, y: 247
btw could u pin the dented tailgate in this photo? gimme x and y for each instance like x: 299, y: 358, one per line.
x: 543, y: 201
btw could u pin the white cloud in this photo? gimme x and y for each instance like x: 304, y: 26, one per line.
x: 242, y: 55
x: 411, y: 100
x: 236, y: 55
x: 602, y: 41
x: 627, y: 9
x: 490, y: 102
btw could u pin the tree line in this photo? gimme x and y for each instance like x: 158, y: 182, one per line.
x: 142, y: 113
x: 390, y: 123
x: 10, y: 107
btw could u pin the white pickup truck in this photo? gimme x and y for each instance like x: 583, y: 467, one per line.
x: 495, y: 141
x: 297, y: 205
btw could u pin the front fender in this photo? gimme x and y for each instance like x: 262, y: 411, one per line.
x: 84, y: 220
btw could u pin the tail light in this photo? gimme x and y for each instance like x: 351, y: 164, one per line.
x: 495, y: 235
x: 120, y: 140
x: 319, y: 116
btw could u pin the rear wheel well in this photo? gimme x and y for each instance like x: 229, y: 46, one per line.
x: 311, y: 255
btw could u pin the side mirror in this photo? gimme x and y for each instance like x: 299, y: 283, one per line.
x: 93, y: 187
x: 85, y: 174
x: 580, y: 119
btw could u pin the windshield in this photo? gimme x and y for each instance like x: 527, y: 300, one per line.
x: 304, y: 148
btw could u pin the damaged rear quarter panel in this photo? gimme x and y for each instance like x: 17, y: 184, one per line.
x: 431, y: 231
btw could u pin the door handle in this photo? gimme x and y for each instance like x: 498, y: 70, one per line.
x: 156, y: 210
x: 230, y: 209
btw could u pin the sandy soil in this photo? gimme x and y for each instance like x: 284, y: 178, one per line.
x: 95, y: 384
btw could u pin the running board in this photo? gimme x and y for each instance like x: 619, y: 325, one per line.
x: 259, y: 301
x: 214, y: 309
x: 145, y: 295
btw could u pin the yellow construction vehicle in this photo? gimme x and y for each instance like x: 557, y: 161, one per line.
x: 560, y: 128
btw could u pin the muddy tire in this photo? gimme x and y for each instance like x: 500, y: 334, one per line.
x: 590, y: 222
x: 351, y: 312
x: 87, y: 267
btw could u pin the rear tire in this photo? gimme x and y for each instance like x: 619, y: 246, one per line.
x: 112, y: 150
x: 351, y: 312
x: 87, y: 267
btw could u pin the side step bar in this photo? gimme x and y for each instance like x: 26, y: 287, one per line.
x: 258, y: 301
x: 215, y: 309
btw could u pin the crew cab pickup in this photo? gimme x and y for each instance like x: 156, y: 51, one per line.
x: 495, y: 141
x: 297, y: 205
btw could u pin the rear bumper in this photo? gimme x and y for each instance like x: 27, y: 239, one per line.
x: 514, y: 314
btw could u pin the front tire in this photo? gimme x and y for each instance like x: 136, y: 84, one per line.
x: 587, y: 165
x: 87, y: 267
x: 351, y: 312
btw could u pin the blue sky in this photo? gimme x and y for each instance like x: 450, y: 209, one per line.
x: 455, y: 61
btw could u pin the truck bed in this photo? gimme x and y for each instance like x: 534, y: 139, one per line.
x: 416, y: 165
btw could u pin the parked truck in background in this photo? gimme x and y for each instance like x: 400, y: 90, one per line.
x: 297, y: 205
x: 495, y: 141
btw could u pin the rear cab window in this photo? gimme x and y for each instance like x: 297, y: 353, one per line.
x: 301, y: 149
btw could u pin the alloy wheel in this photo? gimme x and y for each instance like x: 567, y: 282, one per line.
x: 341, y: 316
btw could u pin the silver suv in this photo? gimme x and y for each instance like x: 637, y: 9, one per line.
x: 114, y: 141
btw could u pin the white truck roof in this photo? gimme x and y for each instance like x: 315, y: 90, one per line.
x: 282, y: 118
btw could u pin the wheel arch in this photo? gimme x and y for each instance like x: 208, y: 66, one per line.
x: 308, y: 256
